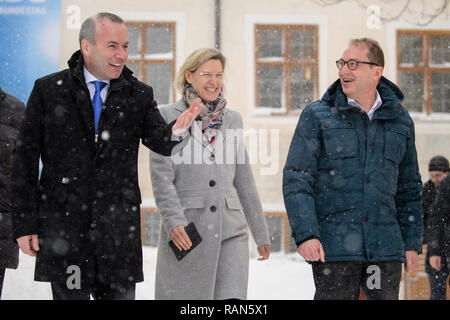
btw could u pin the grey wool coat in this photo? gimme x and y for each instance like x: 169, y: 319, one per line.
x: 215, y: 189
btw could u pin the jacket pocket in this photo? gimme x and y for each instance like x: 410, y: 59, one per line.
x: 192, y: 203
x: 340, y: 139
x: 331, y: 214
x: 233, y: 203
x: 396, y: 135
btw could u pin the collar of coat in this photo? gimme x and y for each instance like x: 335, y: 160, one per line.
x: 76, y: 67
x: 391, y: 96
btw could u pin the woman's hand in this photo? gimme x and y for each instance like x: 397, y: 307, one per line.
x: 264, y: 252
x: 180, y: 238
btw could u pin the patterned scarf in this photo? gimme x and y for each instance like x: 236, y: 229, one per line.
x: 211, y: 114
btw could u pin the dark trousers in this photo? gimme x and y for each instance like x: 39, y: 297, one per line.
x: 2, y: 277
x: 343, y: 280
x: 438, y: 285
x: 99, y: 291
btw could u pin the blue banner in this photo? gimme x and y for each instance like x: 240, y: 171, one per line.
x: 29, y: 43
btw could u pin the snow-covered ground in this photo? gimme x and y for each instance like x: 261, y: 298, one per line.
x: 283, y: 276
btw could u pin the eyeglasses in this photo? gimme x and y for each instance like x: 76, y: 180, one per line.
x: 209, y: 75
x: 352, y: 64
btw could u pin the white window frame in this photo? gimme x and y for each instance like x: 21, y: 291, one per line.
x: 180, y: 29
x: 250, y: 20
x: 391, y: 61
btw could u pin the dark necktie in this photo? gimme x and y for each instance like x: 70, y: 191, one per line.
x: 97, y: 101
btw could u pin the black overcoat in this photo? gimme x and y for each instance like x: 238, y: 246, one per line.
x: 429, y: 195
x: 85, y: 207
x: 11, y: 112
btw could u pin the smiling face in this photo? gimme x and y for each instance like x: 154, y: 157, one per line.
x: 106, y: 58
x: 207, y: 80
x: 361, y: 83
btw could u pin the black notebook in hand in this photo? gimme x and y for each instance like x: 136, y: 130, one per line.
x: 195, y: 237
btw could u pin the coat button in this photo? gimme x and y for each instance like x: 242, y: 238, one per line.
x: 371, y: 256
x: 367, y: 180
x: 349, y: 124
x: 326, y: 125
x: 212, y: 183
x: 371, y: 143
x: 366, y: 218
x: 213, y: 208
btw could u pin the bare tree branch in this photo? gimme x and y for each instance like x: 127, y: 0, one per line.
x: 416, y: 12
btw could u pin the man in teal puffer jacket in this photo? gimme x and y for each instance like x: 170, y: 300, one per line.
x: 351, y: 182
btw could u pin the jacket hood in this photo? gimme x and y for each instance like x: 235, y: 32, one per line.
x: 389, y: 92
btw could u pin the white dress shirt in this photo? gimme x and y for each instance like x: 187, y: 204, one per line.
x: 89, y: 77
x: 378, y: 102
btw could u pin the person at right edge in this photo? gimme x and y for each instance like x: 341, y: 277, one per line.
x: 351, y: 182
x: 438, y: 169
x: 11, y: 112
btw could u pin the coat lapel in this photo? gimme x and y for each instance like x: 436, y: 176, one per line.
x: 83, y: 102
x: 115, y: 109
x: 221, y: 141
x: 195, y: 133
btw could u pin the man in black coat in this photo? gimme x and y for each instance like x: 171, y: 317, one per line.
x: 81, y: 219
x: 11, y: 112
x: 438, y: 168
x: 438, y: 244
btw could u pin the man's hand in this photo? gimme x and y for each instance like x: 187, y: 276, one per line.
x: 185, y: 120
x: 312, y: 250
x: 29, y: 244
x: 435, y: 262
x: 412, y: 261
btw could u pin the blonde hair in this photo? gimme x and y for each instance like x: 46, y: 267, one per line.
x: 195, y: 60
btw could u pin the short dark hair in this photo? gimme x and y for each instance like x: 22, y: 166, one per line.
x: 87, y: 30
x: 375, y: 54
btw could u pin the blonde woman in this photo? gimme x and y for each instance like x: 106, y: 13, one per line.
x: 209, y: 182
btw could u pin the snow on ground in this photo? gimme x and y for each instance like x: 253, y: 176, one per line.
x: 283, y: 276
